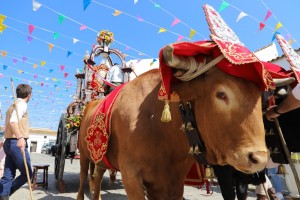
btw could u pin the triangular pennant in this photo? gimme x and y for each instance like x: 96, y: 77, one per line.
x: 135, y: 1
x: 29, y: 38
x: 42, y: 84
x: 15, y: 61
x: 161, y: 30
x: 54, y: 79
x: 61, y: 18
x: 180, y: 37
x: 82, y: 27
x: 86, y: 3
x: 20, y: 71
x: 50, y: 46
x: 274, y: 36
x: 223, y: 6
x: 46, y: 78
x: 75, y: 40
x: 35, y: 76
x: 43, y: 63
x: 1, y: 75
x: 62, y: 68
x: 278, y: 25
x: 192, y: 33
x: 241, y: 15
x: 55, y: 35
x: 34, y: 66
x: 261, y: 26
x: 69, y: 53
x: 65, y: 75
x: 269, y: 13
x: 287, y: 36
x: 2, y: 18
x: 2, y: 28
x: 116, y: 13
x: 156, y: 5
x: 31, y: 28
x: 140, y: 19
x: 3, y: 53
x: 35, y: 5
x: 292, y: 57
x: 4, y: 67
x: 176, y: 21
x: 24, y: 59
x: 291, y: 41
x: 127, y: 48
x: 51, y: 70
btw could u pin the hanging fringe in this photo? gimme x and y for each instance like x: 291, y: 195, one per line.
x: 166, y: 114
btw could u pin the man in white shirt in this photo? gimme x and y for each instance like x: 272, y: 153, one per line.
x: 115, y: 76
x: 16, y: 134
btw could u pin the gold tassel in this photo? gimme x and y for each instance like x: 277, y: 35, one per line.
x: 166, y: 114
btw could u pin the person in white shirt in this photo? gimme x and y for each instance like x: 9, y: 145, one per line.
x: 115, y: 76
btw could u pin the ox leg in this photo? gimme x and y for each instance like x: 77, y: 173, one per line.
x: 133, y: 185
x: 84, y: 167
x: 91, y: 177
x: 98, y: 176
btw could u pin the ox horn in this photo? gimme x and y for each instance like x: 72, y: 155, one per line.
x: 279, y: 82
x: 192, y: 67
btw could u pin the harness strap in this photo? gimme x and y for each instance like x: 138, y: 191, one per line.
x: 197, y: 148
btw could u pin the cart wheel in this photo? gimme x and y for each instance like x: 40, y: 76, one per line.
x: 59, y: 162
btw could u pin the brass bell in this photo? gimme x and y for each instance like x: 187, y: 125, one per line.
x: 209, y: 172
x: 281, y: 170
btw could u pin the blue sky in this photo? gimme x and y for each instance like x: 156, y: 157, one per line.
x: 137, y: 39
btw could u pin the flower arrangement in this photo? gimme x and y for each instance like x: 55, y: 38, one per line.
x: 105, y: 37
x: 74, y: 119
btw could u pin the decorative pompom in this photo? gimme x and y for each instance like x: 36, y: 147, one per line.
x: 166, y: 114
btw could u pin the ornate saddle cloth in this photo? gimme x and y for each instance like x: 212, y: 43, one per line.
x: 99, y: 130
x: 195, y: 175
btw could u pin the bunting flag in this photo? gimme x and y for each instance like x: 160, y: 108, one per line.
x: 24, y: 59
x: 43, y: 63
x: 20, y: 71
x: 65, y: 75
x: 116, y: 13
x: 292, y: 57
x: 50, y: 46
x: 156, y: 5
x: 291, y: 41
x: 31, y: 28
x: 69, y: 53
x: 51, y: 70
x: 192, y: 33
x: 4, y: 67
x: 42, y: 84
x: 29, y: 38
x: 140, y: 19
x: 127, y: 48
x: 55, y: 35
x: 2, y: 28
x: 161, y: 30
x: 180, y: 37
x: 1, y: 75
x: 34, y: 66
x: 61, y: 18
x: 35, y: 76
x: 269, y: 13
x: 46, y: 78
x: 54, y: 79
x: 62, y: 68
x: 82, y: 27
x: 35, y: 5
x: 261, y: 26
x: 176, y: 21
x: 274, y: 36
x: 75, y: 40
x: 86, y: 3
x: 287, y: 36
x: 223, y: 6
x: 241, y: 15
x: 3, y: 53
x: 135, y: 1
x: 278, y: 26
x: 15, y: 61
x: 2, y: 18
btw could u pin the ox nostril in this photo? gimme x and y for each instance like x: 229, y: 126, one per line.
x: 253, y: 158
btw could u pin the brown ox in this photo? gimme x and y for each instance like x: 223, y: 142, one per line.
x: 152, y: 156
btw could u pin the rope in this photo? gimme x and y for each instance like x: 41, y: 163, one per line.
x: 194, y: 68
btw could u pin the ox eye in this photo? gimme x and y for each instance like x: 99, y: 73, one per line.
x: 221, y: 95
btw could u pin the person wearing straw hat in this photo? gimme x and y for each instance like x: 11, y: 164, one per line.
x: 16, y: 134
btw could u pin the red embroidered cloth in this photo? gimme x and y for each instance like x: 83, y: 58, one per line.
x: 195, y: 176
x: 99, y: 130
x: 238, y: 61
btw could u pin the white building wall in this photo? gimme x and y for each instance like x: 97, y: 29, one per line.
x: 39, y: 139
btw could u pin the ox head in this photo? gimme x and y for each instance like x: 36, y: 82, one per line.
x: 228, y: 112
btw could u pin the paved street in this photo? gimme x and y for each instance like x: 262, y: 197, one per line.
x: 115, y: 191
